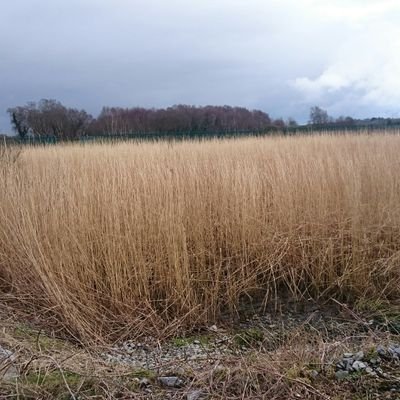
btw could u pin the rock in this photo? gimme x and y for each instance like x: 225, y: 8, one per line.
x: 348, y: 363
x: 9, y: 374
x: 359, y: 366
x: 394, y: 349
x: 197, y: 342
x: 194, y: 395
x: 314, y: 374
x: 381, y: 351
x: 7, y: 370
x: 394, y: 352
x: 171, y: 381
x: 144, y: 382
x: 347, y: 355
x: 341, y: 365
x: 342, y: 375
x: 370, y: 371
x: 4, y: 353
x: 213, y: 328
x: 359, y: 356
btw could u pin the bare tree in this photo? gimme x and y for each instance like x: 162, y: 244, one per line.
x: 345, y: 121
x: 76, y: 122
x: 318, y: 116
x: 19, y: 120
x: 49, y: 117
x: 279, y: 123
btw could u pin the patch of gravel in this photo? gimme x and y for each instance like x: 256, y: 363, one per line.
x: 216, y: 343
x: 352, y: 364
x: 149, y: 354
x: 205, y: 348
x: 173, y: 362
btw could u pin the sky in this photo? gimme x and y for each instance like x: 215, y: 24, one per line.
x: 280, y: 56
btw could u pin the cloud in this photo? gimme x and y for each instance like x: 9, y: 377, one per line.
x: 354, y: 12
x: 281, y: 56
x: 363, y: 70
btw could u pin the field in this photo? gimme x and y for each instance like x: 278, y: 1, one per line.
x: 124, y: 240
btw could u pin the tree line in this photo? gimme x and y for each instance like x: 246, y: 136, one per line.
x: 50, y: 118
x: 320, y: 119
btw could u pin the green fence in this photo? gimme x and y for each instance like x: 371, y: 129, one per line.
x: 198, y: 135
x: 146, y: 136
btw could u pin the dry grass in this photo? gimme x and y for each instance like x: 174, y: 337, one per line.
x: 155, y: 237
x: 299, y: 365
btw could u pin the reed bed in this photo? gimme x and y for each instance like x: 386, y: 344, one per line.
x: 156, y: 238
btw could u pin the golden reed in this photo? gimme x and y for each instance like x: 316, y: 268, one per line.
x: 156, y: 237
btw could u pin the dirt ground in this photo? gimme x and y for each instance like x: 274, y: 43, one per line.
x: 295, y: 354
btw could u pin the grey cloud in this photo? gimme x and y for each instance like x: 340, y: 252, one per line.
x: 89, y: 53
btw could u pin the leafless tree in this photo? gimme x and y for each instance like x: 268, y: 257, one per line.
x: 292, y: 123
x: 318, y: 116
x: 19, y: 120
x: 49, y: 118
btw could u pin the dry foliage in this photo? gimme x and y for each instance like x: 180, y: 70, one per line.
x: 151, y: 238
x: 9, y: 155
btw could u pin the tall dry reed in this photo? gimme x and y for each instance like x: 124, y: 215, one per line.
x: 153, y: 237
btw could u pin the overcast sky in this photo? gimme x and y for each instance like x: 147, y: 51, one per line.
x: 281, y: 56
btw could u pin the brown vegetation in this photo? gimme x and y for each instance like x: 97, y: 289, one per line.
x: 156, y: 237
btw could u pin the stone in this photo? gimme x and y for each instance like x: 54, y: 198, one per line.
x: 381, y: 351
x: 194, y: 395
x: 144, y: 382
x: 7, y: 371
x: 359, y: 356
x: 314, y: 374
x: 340, y: 375
x: 9, y: 374
x: 370, y: 371
x: 359, y: 366
x: 396, y: 349
x: 347, y: 355
x: 171, y: 381
x: 4, y: 353
x: 348, y: 363
x: 341, y: 365
x: 394, y: 352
